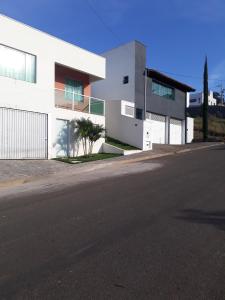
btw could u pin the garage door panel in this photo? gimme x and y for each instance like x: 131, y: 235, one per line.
x: 23, y: 134
x: 158, y: 129
x: 175, y: 132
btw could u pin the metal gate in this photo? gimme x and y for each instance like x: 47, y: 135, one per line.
x: 23, y: 134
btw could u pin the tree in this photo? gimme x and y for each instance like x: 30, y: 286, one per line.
x: 87, y: 132
x: 205, y: 101
x: 83, y: 128
x: 95, y: 134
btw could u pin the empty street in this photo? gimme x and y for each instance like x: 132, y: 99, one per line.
x: 157, y: 234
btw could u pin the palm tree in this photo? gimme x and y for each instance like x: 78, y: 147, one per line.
x: 83, y: 128
x: 95, y: 134
x: 87, y: 132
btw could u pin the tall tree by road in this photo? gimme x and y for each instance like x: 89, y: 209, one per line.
x: 205, y: 101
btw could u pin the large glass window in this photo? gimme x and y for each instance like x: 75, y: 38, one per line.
x: 162, y: 90
x: 74, y: 90
x: 17, y: 64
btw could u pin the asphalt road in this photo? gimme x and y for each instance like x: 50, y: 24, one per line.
x: 153, y: 235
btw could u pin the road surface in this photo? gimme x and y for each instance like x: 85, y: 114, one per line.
x: 159, y: 234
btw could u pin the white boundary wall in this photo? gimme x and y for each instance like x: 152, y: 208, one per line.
x: 190, y: 130
x: 126, y: 128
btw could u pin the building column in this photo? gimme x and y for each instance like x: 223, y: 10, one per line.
x: 167, y: 141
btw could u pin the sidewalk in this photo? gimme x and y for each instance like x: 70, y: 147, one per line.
x: 15, y: 173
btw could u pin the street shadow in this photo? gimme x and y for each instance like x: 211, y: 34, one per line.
x: 214, y: 218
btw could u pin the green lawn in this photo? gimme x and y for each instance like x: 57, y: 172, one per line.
x: 119, y: 144
x: 87, y: 158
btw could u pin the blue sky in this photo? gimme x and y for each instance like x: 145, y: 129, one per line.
x: 178, y: 33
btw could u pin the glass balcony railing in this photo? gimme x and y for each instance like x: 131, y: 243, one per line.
x: 77, y: 102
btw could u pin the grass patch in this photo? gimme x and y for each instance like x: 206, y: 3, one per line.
x: 120, y: 144
x: 216, y: 128
x: 87, y: 158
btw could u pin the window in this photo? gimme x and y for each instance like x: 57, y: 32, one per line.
x: 17, y: 64
x: 74, y: 90
x: 139, y: 113
x: 162, y: 90
x: 193, y: 100
x: 125, y: 79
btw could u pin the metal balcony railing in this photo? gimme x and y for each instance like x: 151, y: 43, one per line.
x: 78, y: 102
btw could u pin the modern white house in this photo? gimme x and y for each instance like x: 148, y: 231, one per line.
x: 196, y: 99
x: 143, y: 106
x: 44, y: 83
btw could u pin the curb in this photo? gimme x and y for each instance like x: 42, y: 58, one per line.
x: 18, y: 182
x: 169, y: 153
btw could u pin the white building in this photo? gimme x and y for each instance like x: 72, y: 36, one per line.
x: 143, y: 106
x: 196, y: 99
x: 44, y: 83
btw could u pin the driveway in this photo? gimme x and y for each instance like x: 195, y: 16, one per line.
x: 23, y: 169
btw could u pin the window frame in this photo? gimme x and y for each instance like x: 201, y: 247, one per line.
x: 165, y: 86
x: 25, y: 53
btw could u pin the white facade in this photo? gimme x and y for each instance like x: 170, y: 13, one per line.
x: 120, y: 62
x: 123, y: 126
x: 196, y: 99
x: 128, y: 79
x: 190, y: 130
x: 40, y: 96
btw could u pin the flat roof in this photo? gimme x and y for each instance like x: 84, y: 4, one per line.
x: 168, y: 80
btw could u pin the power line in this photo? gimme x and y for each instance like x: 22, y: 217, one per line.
x: 92, y: 8
x: 191, y: 76
x: 102, y: 21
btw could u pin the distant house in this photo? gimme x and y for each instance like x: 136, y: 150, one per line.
x: 143, y: 106
x: 196, y: 99
x: 44, y: 83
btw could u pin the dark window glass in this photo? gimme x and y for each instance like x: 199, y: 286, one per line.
x: 125, y: 79
x: 139, y: 113
x: 162, y: 90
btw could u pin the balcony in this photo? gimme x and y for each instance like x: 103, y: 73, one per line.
x: 78, y: 102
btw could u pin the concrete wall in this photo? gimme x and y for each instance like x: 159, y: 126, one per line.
x: 167, y: 107
x: 125, y: 128
x: 190, y: 130
x: 120, y: 62
x: 75, y: 148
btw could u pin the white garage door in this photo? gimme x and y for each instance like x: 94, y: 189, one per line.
x: 62, y: 138
x: 175, y: 132
x: 23, y: 134
x: 158, y: 130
